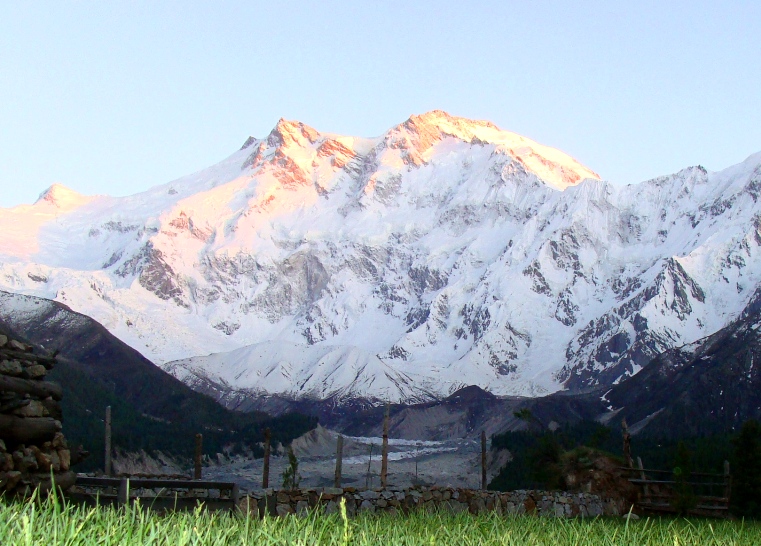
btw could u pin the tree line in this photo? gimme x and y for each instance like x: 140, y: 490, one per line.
x: 538, y: 452
x: 224, y: 431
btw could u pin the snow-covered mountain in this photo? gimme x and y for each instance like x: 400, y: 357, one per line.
x: 444, y: 253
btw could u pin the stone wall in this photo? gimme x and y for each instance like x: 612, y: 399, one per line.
x: 31, y: 442
x: 396, y: 501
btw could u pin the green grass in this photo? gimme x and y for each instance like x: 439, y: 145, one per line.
x: 49, y: 522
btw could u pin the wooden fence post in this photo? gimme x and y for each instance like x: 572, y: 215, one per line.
x: 339, y: 460
x: 384, y: 459
x: 368, y: 479
x: 108, y: 466
x: 627, y: 443
x: 727, y: 482
x: 483, y: 459
x: 122, y: 496
x: 266, y: 470
x: 646, y: 488
x: 199, y: 455
x: 417, y: 454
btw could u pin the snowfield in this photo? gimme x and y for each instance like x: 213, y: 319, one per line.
x: 445, y: 252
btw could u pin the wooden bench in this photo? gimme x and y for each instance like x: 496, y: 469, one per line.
x: 194, y: 492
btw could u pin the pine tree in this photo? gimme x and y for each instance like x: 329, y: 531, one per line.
x: 746, y: 479
x: 291, y: 477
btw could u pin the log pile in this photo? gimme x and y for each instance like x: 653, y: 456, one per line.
x: 31, y: 442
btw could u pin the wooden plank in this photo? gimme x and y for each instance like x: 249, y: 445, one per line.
x: 198, y: 457
x: 483, y: 460
x: 384, y: 452
x: 727, y: 480
x: 41, y: 389
x: 627, y: 437
x: 698, y: 497
x: 655, y: 471
x: 339, y: 461
x: 645, y: 482
x: 46, y: 361
x: 150, y: 483
x: 93, y: 481
x: 156, y: 503
x: 668, y: 505
x: 108, y: 465
x: 30, y: 429
x: 123, y: 495
x: 714, y: 499
x: 14, y: 405
x: 657, y: 505
x: 266, y: 465
x: 180, y: 484
x: 642, y: 476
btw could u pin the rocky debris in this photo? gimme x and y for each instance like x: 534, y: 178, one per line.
x: 32, y: 446
x: 141, y: 464
x: 320, y: 443
x: 272, y: 502
x: 587, y: 470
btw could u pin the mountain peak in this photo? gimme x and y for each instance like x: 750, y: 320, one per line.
x: 420, y: 133
x: 442, y: 119
x: 249, y: 141
x: 419, y: 264
x: 288, y: 133
x: 430, y: 127
x: 555, y: 168
x: 62, y: 197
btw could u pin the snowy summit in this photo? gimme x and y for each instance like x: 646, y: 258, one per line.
x: 445, y: 252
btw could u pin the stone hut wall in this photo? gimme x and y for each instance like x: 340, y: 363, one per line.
x: 31, y: 441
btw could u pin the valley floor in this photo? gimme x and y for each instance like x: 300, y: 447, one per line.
x: 453, y: 463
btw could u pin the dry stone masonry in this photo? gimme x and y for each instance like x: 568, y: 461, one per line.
x: 401, y: 501
x: 31, y: 442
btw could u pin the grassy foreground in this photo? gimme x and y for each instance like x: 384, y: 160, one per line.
x: 51, y: 523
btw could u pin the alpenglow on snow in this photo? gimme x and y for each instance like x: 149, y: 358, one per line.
x: 443, y: 253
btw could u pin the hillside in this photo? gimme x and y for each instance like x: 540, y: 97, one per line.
x: 151, y: 410
x: 711, y: 386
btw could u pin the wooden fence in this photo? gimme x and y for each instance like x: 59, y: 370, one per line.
x: 694, y: 492
x: 157, y: 493
x: 161, y: 493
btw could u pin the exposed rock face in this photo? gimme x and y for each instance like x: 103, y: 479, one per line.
x: 443, y: 253
x: 710, y: 386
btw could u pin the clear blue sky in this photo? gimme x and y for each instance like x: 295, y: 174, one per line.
x: 114, y: 97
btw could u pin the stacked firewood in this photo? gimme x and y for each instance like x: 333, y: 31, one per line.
x: 31, y: 443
